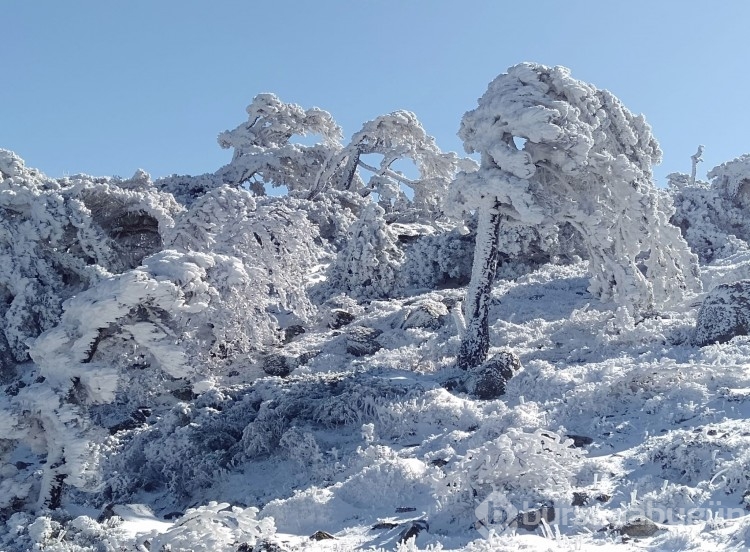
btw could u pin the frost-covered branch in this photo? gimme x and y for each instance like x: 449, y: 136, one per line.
x: 387, y: 172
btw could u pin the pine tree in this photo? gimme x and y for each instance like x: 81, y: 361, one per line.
x: 557, y: 150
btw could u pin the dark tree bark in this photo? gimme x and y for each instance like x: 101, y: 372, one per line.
x: 476, y: 340
x: 350, y: 170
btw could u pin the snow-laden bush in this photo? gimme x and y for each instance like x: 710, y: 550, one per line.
x: 59, y: 237
x: 367, y: 265
x: 274, y: 245
x: 713, y: 216
x: 718, y: 453
x: 189, y: 449
x: 529, y: 467
x: 187, y: 188
x: 384, y: 479
x: 437, y: 260
x: 81, y: 534
x: 193, y: 445
x: 332, y: 213
x: 429, y: 413
x: 301, y: 447
x: 215, y: 527
x: 338, y: 400
x: 168, y: 314
x: 126, y: 321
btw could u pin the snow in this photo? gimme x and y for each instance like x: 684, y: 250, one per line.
x: 666, y: 420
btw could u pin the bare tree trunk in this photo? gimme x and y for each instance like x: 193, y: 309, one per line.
x: 476, y: 340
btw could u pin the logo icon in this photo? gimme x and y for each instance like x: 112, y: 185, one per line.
x: 495, y: 513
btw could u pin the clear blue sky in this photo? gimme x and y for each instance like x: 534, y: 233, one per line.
x: 107, y: 87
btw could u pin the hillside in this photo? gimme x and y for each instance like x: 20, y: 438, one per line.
x: 287, y: 354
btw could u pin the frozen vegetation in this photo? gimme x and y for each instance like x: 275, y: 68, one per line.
x: 406, y: 349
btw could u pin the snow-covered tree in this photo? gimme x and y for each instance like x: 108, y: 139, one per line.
x: 396, y: 136
x: 271, y: 149
x: 557, y: 150
x: 264, y: 154
x: 367, y: 266
x: 713, y: 215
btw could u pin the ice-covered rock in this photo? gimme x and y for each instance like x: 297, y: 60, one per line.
x: 639, y: 528
x: 293, y: 331
x: 427, y: 314
x: 275, y: 364
x: 339, y: 318
x: 725, y: 314
x: 362, y: 341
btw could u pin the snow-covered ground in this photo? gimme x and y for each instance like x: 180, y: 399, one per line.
x: 608, y: 422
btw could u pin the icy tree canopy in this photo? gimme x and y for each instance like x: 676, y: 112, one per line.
x: 555, y: 149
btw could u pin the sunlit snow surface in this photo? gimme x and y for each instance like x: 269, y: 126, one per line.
x: 388, y: 444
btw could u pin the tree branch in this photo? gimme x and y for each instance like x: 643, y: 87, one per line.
x: 387, y: 172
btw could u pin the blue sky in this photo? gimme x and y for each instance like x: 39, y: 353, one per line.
x: 108, y: 87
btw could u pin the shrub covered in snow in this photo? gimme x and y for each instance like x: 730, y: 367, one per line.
x: 442, y: 259
x: 59, y: 237
x: 713, y: 216
x: 367, y: 265
x: 215, y: 527
x: 56, y: 534
x: 529, y: 467
x: 273, y: 247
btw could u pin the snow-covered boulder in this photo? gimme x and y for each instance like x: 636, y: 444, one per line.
x: 275, y: 364
x: 293, y: 331
x: 427, y: 314
x: 362, y: 341
x: 725, y: 314
x: 339, y: 318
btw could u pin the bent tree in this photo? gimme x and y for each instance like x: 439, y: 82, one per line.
x: 557, y: 150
